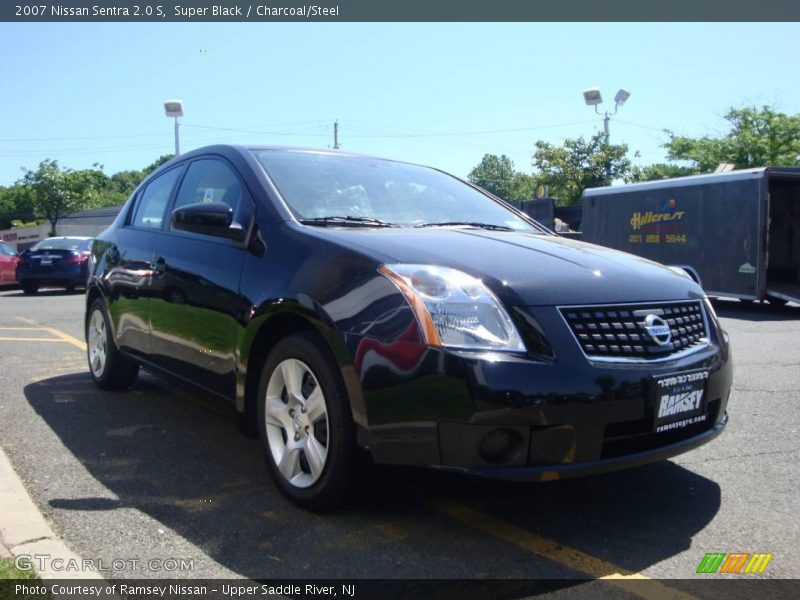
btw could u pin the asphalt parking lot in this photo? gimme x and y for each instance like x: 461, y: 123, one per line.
x: 160, y: 473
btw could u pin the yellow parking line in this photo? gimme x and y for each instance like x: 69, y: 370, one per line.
x: 20, y: 328
x: 627, y: 580
x: 65, y: 337
x: 630, y: 581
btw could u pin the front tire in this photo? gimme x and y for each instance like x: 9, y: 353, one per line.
x: 305, y: 424
x: 110, y: 369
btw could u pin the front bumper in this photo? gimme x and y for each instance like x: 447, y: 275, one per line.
x: 562, y: 417
x: 595, y: 467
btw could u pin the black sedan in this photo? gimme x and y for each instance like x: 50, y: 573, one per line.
x: 350, y: 305
x: 56, y: 262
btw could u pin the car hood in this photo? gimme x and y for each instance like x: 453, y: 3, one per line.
x: 524, y: 268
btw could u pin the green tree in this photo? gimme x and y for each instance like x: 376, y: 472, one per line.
x: 579, y: 164
x: 54, y: 192
x: 50, y: 192
x: 496, y: 174
x: 7, y: 207
x: 756, y: 138
x: 661, y: 171
x: 158, y: 162
x: 14, y: 206
x: 125, y: 182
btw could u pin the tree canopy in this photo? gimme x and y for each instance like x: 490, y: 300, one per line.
x: 51, y: 191
x: 661, y: 171
x: 496, y: 174
x: 758, y: 137
x: 579, y: 164
x: 755, y: 137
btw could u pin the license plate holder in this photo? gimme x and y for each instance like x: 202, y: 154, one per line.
x: 679, y: 400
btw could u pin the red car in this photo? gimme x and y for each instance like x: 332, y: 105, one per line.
x: 8, y: 264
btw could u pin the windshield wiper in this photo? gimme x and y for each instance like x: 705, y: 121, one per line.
x: 348, y: 220
x: 468, y: 224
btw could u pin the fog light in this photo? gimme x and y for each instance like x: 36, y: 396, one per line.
x: 500, y: 445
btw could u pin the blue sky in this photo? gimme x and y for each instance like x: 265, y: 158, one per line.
x: 438, y: 94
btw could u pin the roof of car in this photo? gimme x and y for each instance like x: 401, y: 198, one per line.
x: 301, y: 149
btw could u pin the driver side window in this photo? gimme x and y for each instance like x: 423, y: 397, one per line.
x: 210, y: 180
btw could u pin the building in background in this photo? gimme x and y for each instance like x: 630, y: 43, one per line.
x: 87, y: 222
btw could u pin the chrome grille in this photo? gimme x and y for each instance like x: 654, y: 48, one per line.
x: 619, y: 331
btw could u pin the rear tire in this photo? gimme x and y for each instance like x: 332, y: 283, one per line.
x: 29, y: 287
x: 305, y: 425
x: 774, y: 300
x: 110, y: 369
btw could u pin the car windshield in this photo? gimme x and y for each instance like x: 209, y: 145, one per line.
x: 62, y: 244
x: 329, y: 189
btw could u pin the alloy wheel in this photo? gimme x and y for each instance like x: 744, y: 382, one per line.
x: 97, y: 343
x: 297, y: 423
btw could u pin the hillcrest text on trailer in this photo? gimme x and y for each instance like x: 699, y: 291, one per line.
x: 737, y: 233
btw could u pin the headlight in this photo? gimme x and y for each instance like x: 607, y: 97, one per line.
x: 455, y: 309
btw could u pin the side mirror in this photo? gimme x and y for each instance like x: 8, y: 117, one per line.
x: 207, y: 218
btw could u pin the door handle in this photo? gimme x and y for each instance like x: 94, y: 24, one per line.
x: 159, y: 265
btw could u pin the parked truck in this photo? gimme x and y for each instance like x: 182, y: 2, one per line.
x: 736, y: 233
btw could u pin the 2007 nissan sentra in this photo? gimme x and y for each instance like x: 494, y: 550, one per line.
x: 349, y: 305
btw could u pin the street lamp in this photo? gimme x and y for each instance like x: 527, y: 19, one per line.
x: 593, y: 97
x: 174, y: 108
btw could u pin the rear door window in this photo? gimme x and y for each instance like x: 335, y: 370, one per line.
x: 153, y: 201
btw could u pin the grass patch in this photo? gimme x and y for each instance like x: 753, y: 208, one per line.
x: 9, y: 571
x: 11, y: 576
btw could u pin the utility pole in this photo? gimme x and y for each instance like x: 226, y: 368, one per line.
x: 336, y: 135
x: 593, y: 97
x: 174, y: 108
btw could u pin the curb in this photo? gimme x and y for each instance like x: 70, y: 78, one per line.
x: 25, y: 533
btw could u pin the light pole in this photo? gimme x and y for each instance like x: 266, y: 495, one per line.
x: 174, y: 108
x: 593, y: 97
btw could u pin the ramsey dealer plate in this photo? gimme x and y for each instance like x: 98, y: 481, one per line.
x: 679, y: 400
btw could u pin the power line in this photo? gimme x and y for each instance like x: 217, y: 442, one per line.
x: 659, y: 129
x: 298, y: 132
x: 468, y: 133
x: 94, y: 137
x: 139, y: 135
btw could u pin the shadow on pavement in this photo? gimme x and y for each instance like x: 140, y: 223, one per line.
x: 755, y: 311
x: 185, y: 464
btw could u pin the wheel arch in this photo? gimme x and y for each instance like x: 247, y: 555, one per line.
x: 259, y: 339
x: 92, y: 293
x: 691, y: 272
